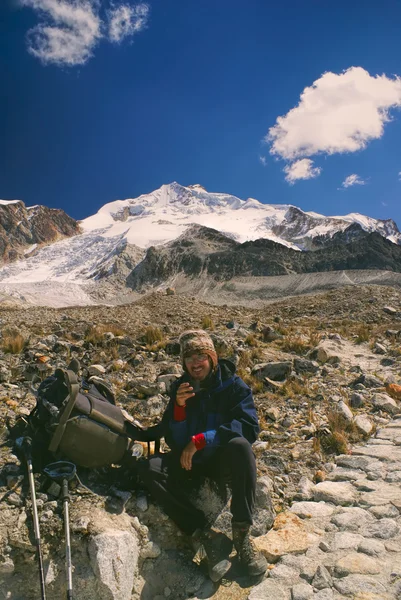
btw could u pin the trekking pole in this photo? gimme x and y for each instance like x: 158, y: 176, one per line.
x: 63, y: 472
x: 24, y: 444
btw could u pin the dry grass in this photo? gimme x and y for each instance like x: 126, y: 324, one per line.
x: 251, y: 340
x: 293, y: 387
x: 207, y: 323
x: 95, y: 334
x: 152, y: 335
x: 13, y: 344
x: 363, y: 333
x: 299, y: 344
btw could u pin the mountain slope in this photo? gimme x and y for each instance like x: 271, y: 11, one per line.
x: 203, y: 251
x: 24, y: 229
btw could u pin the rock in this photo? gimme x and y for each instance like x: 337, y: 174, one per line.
x: 379, y: 348
x: 114, y: 557
x: 385, y: 403
x: 302, y: 591
x: 269, y: 335
x: 383, y: 529
x: 277, y: 371
x: 343, y: 540
x: 312, y: 510
x: 393, y: 390
x: 167, y: 379
x: 371, y: 547
x: 363, y: 424
x: 390, y: 310
x: 289, y: 535
x: 97, y: 370
x: 352, y: 585
x: 303, y: 365
x: 232, y: 325
x: 368, y: 381
x: 284, y: 573
x: 269, y: 590
x: 305, y: 488
x: 356, y: 562
x: 273, y: 413
x: 344, y: 410
x: 322, y: 578
x: 342, y: 494
x: 150, y: 550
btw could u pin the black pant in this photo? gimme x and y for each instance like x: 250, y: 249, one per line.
x: 171, y: 485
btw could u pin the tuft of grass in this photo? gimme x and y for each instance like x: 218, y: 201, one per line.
x: 335, y: 443
x: 207, y: 323
x: 296, y: 344
x: 152, y: 335
x: 363, y: 333
x: 293, y: 387
x: 13, y: 344
x: 255, y: 384
x: 95, y: 334
x: 251, y: 340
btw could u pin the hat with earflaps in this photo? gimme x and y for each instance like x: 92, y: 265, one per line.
x: 197, y: 341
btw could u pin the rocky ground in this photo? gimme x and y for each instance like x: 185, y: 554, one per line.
x: 324, y: 370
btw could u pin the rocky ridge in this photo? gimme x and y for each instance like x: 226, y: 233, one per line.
x: 324, y: 371
x: 23, y: 230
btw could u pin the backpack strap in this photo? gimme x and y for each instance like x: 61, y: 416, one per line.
x: 73, y: 389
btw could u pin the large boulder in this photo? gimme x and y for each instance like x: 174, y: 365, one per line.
x: 277, y: 371
x: 114, y: 557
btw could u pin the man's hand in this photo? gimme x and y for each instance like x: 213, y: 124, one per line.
x: 184, y: 392
x: 186, y: 456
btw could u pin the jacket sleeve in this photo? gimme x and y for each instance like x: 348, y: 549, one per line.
x: 242, y: 420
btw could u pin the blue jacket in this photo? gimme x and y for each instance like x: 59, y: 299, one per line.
x: 223, y: 410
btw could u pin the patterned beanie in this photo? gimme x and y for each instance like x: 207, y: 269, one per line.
x: 197, y: 341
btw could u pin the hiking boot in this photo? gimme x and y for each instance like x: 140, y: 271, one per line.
x: 217, y: 548
x: 250, y: 558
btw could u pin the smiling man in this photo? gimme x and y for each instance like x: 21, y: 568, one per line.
x: 209, y: 425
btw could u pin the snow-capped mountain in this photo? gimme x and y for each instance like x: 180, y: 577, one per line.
x: 115, y: 240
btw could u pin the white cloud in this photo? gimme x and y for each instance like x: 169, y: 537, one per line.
x: 263, y: 160
x: 69, y: 32
x: 126, y: 20
x: 399, y: 175
x: 352, y: 180
x: 338, y: 113
x: 70, y: 29
x: 301, y: 169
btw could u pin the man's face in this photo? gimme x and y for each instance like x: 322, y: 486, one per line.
x: 198, y: 365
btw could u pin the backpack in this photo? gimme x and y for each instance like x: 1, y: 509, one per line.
x: 80, y: 421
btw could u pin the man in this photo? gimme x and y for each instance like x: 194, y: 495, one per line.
x: 209, y: 425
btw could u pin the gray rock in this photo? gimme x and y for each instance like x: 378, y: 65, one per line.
x: 114, y: 558
x: 269, y: 590
x: 357, y: 400
x: 311, y: 510
x: 277, y: 371
x: 342, y: 494
x: 390, y: 310
x: 359, y: 584
x: 303, y: 365
x: 97, y: 370
x: 302, y: 591
x: 322, y: 578
x: 344, y: 410
x: 383, y: 529
x: 363, y: 424
x: 371, y: 547
x: 326, y: 594
x: 284, y: 573
x: 386, y: 403
x: 368, y: 381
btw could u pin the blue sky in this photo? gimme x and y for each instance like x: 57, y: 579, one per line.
x: 106, y: 101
